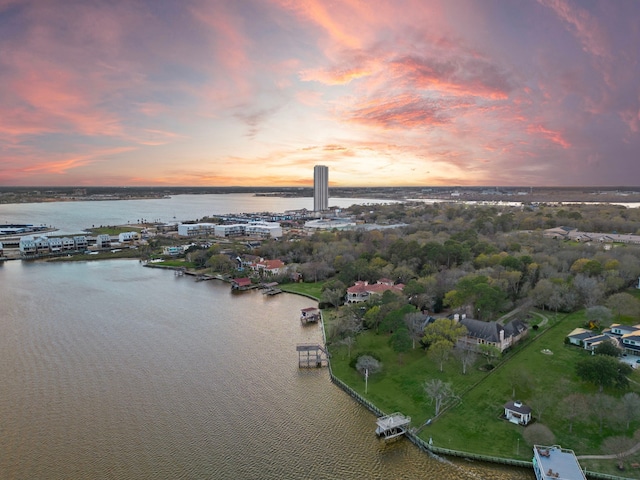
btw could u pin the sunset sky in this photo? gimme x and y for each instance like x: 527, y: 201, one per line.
x: 257, y: 92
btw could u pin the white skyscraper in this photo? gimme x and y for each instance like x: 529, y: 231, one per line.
x: 320, y: 188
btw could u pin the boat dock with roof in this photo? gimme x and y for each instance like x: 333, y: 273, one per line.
x: 551, y: 463
x: 392, y: 426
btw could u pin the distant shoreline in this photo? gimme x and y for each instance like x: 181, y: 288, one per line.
x: 12, y: 195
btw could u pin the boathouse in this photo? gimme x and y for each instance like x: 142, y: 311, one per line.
x: 392, y: 426
x: 311, y: 355
x: 241, y: 283
x: 550, y: 463
x: 309, y: 315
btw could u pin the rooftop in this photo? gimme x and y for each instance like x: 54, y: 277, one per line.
x: 556, y: 463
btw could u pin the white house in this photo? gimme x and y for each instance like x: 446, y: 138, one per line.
x: 27, y: 246
x: 80, y: 242
x: 517, y: 412
x: 103, y: 241
x: 68, y: 243
x: 126, y: 237
x: 195, y: 229
x: 55, y: 245
x: 42, y: 244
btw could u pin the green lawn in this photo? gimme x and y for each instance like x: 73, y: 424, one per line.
x: 313, y: 290
x: 474, y: 424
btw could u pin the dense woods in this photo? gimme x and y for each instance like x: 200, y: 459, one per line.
x: 482, y: 260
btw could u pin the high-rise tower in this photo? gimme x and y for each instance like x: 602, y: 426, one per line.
x: 320, y: 188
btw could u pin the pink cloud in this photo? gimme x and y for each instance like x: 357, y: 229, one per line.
x: 551, y: 135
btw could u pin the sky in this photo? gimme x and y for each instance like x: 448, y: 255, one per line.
x: 257, y: 92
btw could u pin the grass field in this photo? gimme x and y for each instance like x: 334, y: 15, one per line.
x: 473, y: 424
x: 312, y: 290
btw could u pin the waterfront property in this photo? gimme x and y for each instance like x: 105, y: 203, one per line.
x: 241, y: 283
x: 257, y: 229
x: 362, y: 291
x: 311, y: 355
x: 31, y: 247
x: 490, y: 333
x: 550, y: 463
x: 392, y: 426
x: 309, y: 315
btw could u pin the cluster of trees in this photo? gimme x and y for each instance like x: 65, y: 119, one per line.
x: 479, y: 259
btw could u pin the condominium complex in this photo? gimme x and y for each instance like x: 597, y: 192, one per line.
x: 320, y: 188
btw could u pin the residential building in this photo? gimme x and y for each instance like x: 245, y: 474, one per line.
x: 81, y: 242
x: 103, y: 241
x: 251, y: 229
x: 490, y: 333
x: 195, y: 229
x: 269, y: 267
x: 27, y: 246
x: 320, y: 188
x: 362, y: 291
x: 68, y: 244
x: 55, y: 245
x: 126, y: 237
x: 625, y: 337
x: 42, y: 245
x: 263, y: 229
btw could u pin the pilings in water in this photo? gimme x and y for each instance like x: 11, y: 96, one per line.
x: 311, y: 355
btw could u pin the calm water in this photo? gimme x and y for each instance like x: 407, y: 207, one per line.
x: 111, y: 370
x: 75, y: 217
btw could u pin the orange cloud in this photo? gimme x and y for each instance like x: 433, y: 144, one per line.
x: 551, y: 135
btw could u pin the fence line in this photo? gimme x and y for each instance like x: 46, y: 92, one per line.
x: 430, y: 448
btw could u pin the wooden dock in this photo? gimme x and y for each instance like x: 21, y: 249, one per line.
x: 311, y: 355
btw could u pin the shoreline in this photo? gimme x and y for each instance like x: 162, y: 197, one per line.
x: 411, y: 435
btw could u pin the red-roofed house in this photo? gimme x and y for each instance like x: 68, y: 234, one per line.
x: 240, y: 283
x: 362, y: 291
x: 270, y: 267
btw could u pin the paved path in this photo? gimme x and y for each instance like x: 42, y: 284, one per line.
x: 631, y: 451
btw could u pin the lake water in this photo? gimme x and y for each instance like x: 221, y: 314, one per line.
x: 111, y: 370
x: 75, y: 217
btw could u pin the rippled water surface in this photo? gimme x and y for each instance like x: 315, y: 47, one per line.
x: 113, y: 370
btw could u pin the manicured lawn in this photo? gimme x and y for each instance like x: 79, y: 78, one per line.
x: 474, y: 424
x: 313, y: 290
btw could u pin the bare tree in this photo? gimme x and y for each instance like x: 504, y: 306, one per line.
x: 466, y: 357
x: 414, y: 322
x: 520, y: 379
x: 333, y: 296
x: 601, y: 404
x: 541, y: 402
x: 538, y: 434
x: 439, y: 392
x: 619, y: 446
x: 349, y: 342
x: 574, y: 407
x: 630, y: 407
